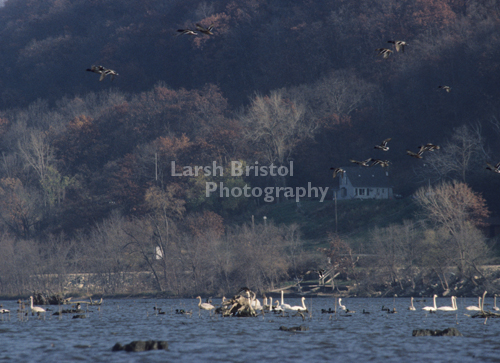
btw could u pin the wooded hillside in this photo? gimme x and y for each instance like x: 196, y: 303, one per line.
x: 277, y: 81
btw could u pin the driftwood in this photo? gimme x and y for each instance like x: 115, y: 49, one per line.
x: 295, y: 328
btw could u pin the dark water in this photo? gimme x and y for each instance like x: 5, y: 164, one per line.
x: 377, y: 336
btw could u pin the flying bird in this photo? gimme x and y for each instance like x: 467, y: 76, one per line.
x: 382, y: 163
x: 383, y: 146
x: 495, y: 169
x: 207, y: 31
x: 446, y: 88
x: 428, y: 147
x: 417, y: 155
x: 385, y: 52
x: 398, y: 44
x: 186, y: 32
x: 103, y: 72
x: 338, y: 171
x: 361, y: 163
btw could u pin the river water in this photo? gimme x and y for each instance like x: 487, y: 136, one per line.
x: 204, y: 337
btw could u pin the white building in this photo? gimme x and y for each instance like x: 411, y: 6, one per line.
x: 360, y: 182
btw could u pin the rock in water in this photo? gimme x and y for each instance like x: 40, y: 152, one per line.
x: 294, y: 328
x: 141, y: 346
x: 449, y: 332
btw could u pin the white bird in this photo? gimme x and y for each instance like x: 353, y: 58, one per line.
x: 495, y: 303
x: 298, y: 307
x: 205, y: 306
x: 35, y: 309
x: 411, y: 305
x: 473, y: 307
x: 283, y: 305
x: 453, y: 306
x: 277, y: 308
x: 4, y: 311
x: 340, y: 305
x: 431, y: 308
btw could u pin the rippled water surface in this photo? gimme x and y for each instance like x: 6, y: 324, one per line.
x: 203, y: 337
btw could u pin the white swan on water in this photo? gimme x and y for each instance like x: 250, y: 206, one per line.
x: 35, y: 309
x: 453, y: 306
x: 495, y: 303
x: 411, y: 305
x: 340, y: 304
x: 298, y: 307
x: 431, y: 308
x: 283, y: 305
x: 205, y: 306
x: 473, y: 307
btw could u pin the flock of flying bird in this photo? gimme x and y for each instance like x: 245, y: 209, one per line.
x: 383, y: 163
x: 109, y: 72
x: 399, y: 45
x: 385, y: 53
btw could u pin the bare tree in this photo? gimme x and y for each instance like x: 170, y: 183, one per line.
x: 276, y: 125
x: 457, y: 209
x: 457, y: 157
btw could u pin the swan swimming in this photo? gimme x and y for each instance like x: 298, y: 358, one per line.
x: 411, y: 307
x: 453, y: 306
x: 283, y: 305
x: 36, y: 309
x: 205, y: 306
x: 298, y: 307
x: 431, y: 308
x: 340, y: 304
x: 473, y: 307
x: 495, y: 303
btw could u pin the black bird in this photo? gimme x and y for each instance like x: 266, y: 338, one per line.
x: 362, y: 163
x: 446, y: 88
x: 186, y: 32
x: 337, y: 171
x: 398, y: 44
x: 384, y: 52
x: 207, y: 31
x: 495, y: 169
x: 383, y: 146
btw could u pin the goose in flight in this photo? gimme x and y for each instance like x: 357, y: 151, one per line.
x: 428, y: 147
x: 337, y: 171
x: 495, y: 168
x: 384, y: 52
x: 383, y: 146
x: 361, y: 163
x: 202, y: 29
x: 445, y: 88
x: 417, y: 155
x: 186, y: 32
x: 382, y: 163
x: 103, y: 72
x: 398, y: 44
